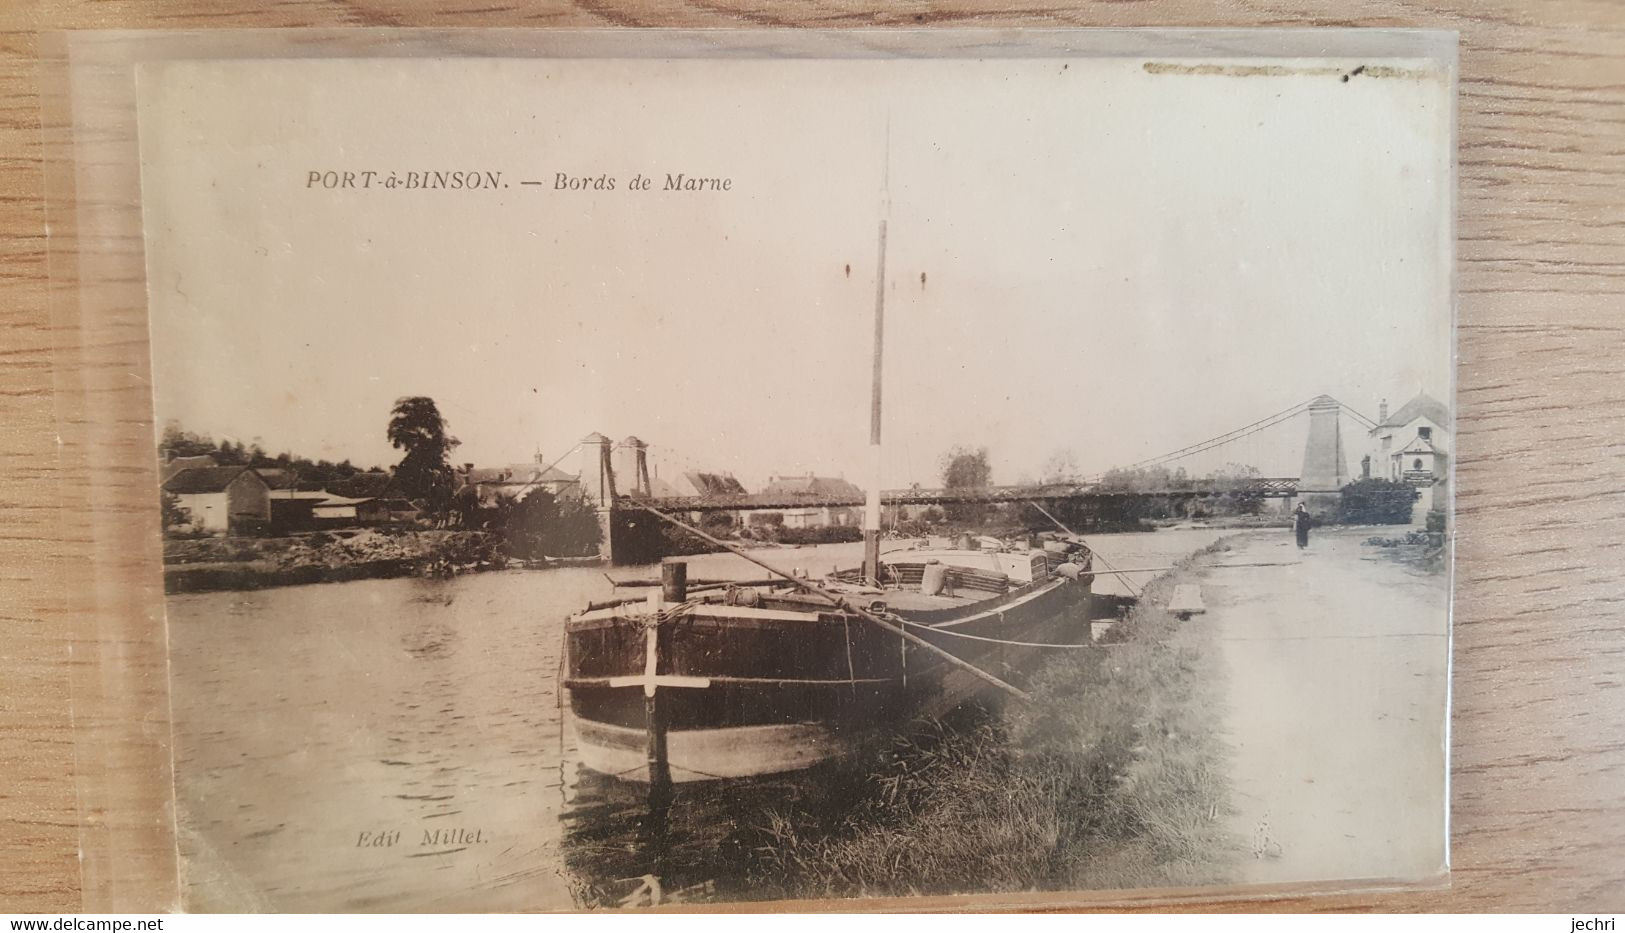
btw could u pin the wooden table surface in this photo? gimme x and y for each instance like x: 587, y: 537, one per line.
x: 1538, y: 797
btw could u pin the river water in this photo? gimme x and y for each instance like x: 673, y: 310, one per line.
x: 400, y: 745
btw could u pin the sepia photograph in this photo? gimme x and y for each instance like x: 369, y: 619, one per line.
x: 623, y: 481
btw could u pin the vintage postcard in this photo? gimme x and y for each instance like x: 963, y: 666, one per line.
x: 629, y: 480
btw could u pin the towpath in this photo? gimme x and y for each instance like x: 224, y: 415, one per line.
x: 1337, y: 659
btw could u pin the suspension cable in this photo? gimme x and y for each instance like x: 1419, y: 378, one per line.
x: 1216, y: 440
x: 542, y: 473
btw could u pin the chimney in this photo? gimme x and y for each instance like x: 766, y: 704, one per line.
x: 1382, y: 412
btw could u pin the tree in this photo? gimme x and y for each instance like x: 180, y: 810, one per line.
x: 175, y: 515
x: 1061, y: 467
x: 1239, y: 485
x: 424, y: 473
x: 542, y: 525
x: 966, y: 468
x: 184, y: 443
x: 317, y: 473
x: 1130, y: 511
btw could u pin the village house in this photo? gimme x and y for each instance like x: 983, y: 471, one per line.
x: 695, y: 483
x: 1412, y: 445
x: 810, y: 487
x: 370, y: 484
x: 515, y: 481
x: 370, y: 498
x: 294, y: 509
x: 221, y: 500
x: 698, y: 484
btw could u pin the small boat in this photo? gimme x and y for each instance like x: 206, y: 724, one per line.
x: 741, y: 681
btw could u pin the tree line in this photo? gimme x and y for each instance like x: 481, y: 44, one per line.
x: 183, y: 443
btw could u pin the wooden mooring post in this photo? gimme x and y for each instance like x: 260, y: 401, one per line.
x: 659, y: 762
x: 674, y: 581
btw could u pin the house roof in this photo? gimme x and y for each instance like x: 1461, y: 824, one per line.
x: 811, y: 486
x: 335, y: 501
x: 394, y: 504
x: 714, y: 484
x: 206, y: 479
x: 276, y: 477
x: 521, y: 473
x: 362, y: 485
x: 697, y: 483
x: 169, y: 468
x: 661, y: 489
x: 556, y: 475
x: 1419, y: 445
x: 1422, y: 406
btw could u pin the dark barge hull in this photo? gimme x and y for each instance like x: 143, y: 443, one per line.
x: 787, y: 683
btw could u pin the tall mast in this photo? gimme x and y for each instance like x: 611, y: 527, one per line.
x: 871, y: 518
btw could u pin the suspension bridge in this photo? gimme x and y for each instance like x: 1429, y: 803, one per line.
x: 615, y: 477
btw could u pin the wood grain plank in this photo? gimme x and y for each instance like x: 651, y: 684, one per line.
x: 1539, y: 740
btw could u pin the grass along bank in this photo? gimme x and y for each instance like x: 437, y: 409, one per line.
x: 1114, y: 777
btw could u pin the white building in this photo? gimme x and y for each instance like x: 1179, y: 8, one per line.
x: 1413, y: 445
x: 221, y: 500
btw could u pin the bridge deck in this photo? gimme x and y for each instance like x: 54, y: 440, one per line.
x: 1264, y: 488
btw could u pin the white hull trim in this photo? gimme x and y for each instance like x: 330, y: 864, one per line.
x: 705, y: 754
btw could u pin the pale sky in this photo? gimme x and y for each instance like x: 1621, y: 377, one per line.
x: 1117, y: 263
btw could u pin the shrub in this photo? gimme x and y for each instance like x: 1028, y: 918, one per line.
x: 250, y: 526
x: 1376, y: 502
x: 718, y: 524
x: 542, y: 525
x: 176, y: 517
x: 821, y: 534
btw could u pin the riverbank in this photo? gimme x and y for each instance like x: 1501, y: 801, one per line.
x: 1337, y: 689
x: 1113, y: 777
x: 237, y: 563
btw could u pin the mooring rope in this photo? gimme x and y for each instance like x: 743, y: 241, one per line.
x: 1121, y: 574
x: 995, y: 641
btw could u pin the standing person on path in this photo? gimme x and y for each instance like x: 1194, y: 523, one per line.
x: 1300, y: 525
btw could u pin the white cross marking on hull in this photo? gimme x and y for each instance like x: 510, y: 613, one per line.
x: 650, y: 680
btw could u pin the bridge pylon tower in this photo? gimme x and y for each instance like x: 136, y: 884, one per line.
x: 598, y: 487
x: 1325, y: 468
